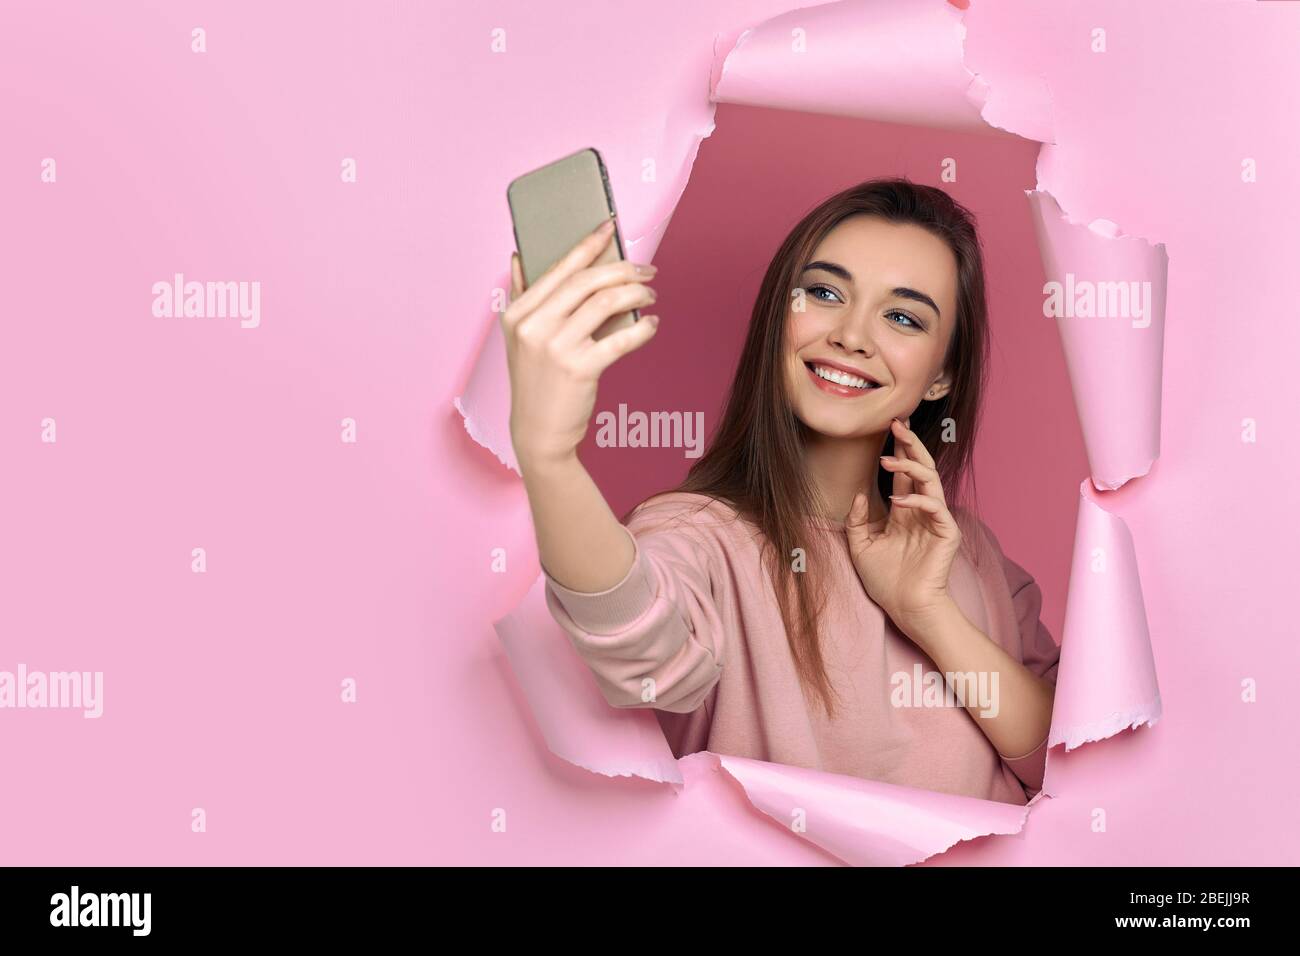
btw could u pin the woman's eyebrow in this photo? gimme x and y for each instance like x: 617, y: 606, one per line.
x: 902, y: 292
x: 833, y: 268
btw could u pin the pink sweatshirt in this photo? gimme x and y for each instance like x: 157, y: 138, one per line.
x: 697, y: 614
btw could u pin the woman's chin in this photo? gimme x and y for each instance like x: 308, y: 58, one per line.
x: 842, y: 428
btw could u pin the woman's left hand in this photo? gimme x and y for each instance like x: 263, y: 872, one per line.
x: 905, y: 566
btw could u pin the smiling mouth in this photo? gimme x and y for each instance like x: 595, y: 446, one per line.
x: 839, y: 383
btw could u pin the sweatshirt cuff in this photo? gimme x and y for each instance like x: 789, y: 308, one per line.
x: 616, y: 608
x: 1030, y: 767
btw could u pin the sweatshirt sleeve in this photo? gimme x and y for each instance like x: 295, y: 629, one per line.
x: 1038, y: 652
x: 656, y: 638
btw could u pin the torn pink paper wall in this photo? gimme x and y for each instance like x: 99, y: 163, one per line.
x: 382, y: 560
x: 833, y: 58
x: 1107, y: 676
x: 1109, y: 304
x: 578, y: 724
x: 810, y: 60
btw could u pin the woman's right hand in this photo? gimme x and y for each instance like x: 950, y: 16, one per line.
x: 554, y: 362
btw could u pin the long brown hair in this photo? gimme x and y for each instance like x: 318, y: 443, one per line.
x: 754, y: 462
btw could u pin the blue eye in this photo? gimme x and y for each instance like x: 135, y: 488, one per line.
x: 813, y: 290
x: 821, y: 288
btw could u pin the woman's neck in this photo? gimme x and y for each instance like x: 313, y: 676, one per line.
x: 841, y: 467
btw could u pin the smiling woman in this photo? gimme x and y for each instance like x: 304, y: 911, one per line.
x: 767, y: 606
x: 849, y: 335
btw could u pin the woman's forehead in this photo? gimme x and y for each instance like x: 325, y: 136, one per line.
x: 873, y: 248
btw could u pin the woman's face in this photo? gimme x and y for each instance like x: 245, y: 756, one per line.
x: 879, y: 299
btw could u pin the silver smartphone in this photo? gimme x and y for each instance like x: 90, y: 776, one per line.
x: 553, y: 208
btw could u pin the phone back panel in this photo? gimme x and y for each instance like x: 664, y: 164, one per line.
x: 554, y: 208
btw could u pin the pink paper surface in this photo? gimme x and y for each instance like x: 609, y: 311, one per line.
x: 386, y: 561
x: 575, y: 721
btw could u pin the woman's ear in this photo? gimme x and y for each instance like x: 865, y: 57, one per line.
x: 939, y: 388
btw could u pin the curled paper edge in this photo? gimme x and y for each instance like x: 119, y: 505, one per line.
x: 476, y: 432
x: 942, y: 91
x: 1130, y: 377
x: 907, y: 825
x: 575, y: 720
x: 1033, y: 118
x: 1107, y: 679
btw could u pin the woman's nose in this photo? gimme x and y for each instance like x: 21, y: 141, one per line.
x: 854, y: 335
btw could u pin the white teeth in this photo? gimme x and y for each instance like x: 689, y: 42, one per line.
x: 840, y: 378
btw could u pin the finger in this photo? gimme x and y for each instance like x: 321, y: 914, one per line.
x: 516, y: 277
x: 902, y: 483
x: 925, y: 479
x: 602, y: 280
x: 613, y: 347
x: 599, y: 307
x: 909, y: 439
x: 583, y: 254
x: 860, y: 509
x: 940, y: 518
x: 857, y: 521
x: 551, y: 319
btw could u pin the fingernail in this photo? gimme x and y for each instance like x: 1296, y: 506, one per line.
x: 605, y: 228
x: 643, y: 269
x: 653, y: 320
x: 888, y: 458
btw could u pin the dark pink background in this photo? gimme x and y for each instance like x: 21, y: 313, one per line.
x: 753, y: 179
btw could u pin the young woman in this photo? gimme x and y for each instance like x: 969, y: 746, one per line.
x: 806, y: 596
